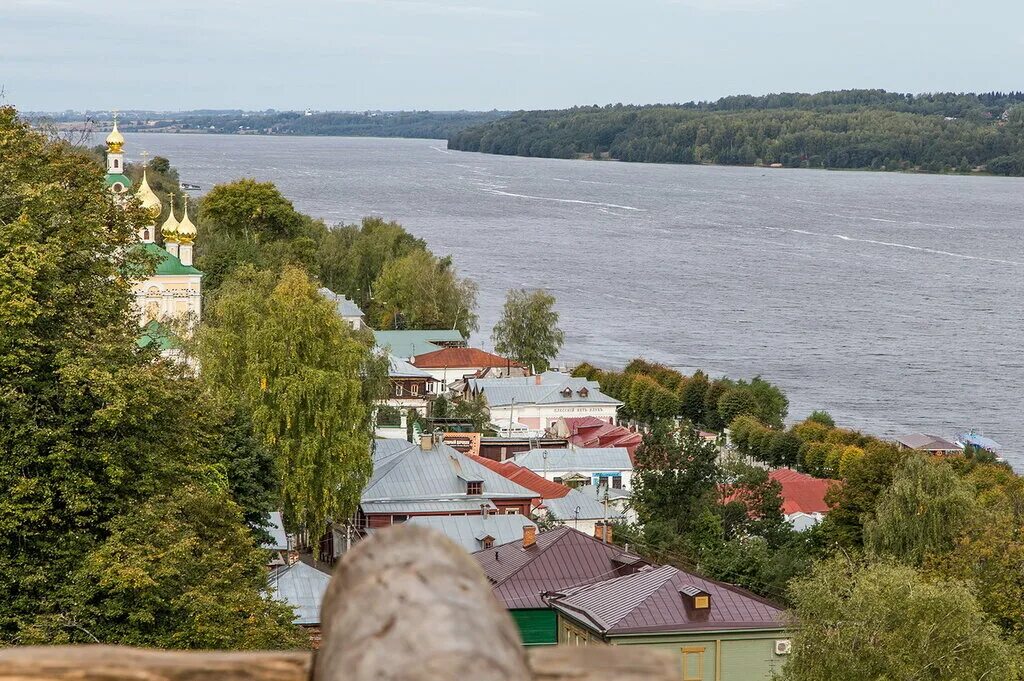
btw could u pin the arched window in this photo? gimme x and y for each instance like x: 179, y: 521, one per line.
x: 145, y: 234
x: 115, y: 164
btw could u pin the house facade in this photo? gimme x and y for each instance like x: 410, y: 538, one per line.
x: 408, y: 388
x: 345, y: 308
x: 528, y: 406
x: 718, y: 631
x: 577, y: 466
x: 588, y: 431
x: 521, y: 571
x: 430, y: 478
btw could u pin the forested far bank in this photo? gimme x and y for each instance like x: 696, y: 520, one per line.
x: 854, y: 129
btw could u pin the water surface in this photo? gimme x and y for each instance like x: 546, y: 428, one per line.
x: 892, y: 301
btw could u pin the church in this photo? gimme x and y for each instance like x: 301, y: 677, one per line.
x: 173, y: 292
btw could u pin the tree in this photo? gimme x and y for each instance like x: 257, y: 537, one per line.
x: 273, y: 341
x: 886, y: 621
x: 421, y: 291
x: 94, y: 426
x: 691, y: 398
x: 675, y: 476
x: 180, y: 572
x: 249, y: 222
x: 528, y: 329
x: 822, y: 417
x: 921, y: 513
x: 853, y: 502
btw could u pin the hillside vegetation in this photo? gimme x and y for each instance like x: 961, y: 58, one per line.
x: 862, y: 129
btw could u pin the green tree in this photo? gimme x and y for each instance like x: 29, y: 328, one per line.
x: 94, y: 426
x: 528, y: 329
x: 921, y: 513
x: 421, y: 291
x: 273, y: 341
x: 691, y: 398
x: 179, y: 572
x: 853, y: 502
x: 886, y: 621
x: 822, y: 417
x: 735, y: 402
x: 676, y: 475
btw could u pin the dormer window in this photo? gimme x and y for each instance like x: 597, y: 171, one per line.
x: 695, y: 598
x: 583, y: 392
x: 488, y: 542
x: 567, y: 391
x: 474, y: 487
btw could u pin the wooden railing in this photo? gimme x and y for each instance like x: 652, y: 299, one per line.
x: 404, y: 605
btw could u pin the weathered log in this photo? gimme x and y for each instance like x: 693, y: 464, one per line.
x: 110, y: 663
x: 408, y: 604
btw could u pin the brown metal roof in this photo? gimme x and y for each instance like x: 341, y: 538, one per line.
x: 651, y: 602
x: 561, y: 558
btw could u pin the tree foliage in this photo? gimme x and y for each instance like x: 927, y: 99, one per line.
x: 848, y: 129
x: 886, y: 621
x: 528, y: 329
x: 278, y: 346
x: 422, y: 291
x: 921, y: 513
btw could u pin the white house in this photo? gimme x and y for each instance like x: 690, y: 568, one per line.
x: 578, y: 466
x: 531, y: 404
x: 346, y: 309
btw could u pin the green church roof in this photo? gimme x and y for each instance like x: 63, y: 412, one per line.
x: 167, y: 263
x: 154, y: 332
x: 111, y: 178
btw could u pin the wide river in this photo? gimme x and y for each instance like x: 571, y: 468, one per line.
x: 893, y: 301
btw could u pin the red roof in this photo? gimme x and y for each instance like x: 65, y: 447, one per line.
x: 545, y: 489
x: 590, y: 431
x: 802, y: 492
x: 460, y: 358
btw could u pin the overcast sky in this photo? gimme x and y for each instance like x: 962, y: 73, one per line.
x: 484, y: 54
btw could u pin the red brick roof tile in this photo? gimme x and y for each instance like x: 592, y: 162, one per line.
x: 461, y: 357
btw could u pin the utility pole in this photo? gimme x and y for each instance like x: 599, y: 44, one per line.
x: 511, y: 409
x: 604, y: 527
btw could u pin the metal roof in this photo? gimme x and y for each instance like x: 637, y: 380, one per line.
x: 468, y: 531
x: 472, y: 504
x: 275, y: 528
x: 412, y: 343
x: 302, y: 587
x: 342, y: 305
x: 399, y: 368
x: 544, y: 488
x: 928, y: 443
x: 575, y: 459
x: 650, y: 602
x: 599, y: 491
x: 560, y: 558
x: 526, y: 390
x: 472, y: 358
x: 406, y: 473
x: 564, y: 508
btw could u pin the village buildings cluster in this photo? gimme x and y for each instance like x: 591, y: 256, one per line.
x: 534, y: 496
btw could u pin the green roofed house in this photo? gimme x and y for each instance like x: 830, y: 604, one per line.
x: 406, y: 344
x: 719, y: 632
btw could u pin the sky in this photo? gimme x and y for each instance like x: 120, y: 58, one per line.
x: 356, y: 55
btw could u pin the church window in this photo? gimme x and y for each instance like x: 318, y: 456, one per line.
x: 115, y: 164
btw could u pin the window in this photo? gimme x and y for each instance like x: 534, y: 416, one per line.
x: 115, y: 164
x: 474, y: 487
x: 558, y: 480
x: 572, y: 635
x: 398, y: 389
x: 145, y: 234
x: 488, y: 542
x: 395, y: 519
x: 693, y: 664
x: 584, y: 392
x: 511, y: 511
x: 617, y: 482
x: 414, y: 389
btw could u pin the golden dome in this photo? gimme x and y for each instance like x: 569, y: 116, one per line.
x: 186, y: 230
x: 148, y: 198
x: 170, y: 227
x: 115, y: 140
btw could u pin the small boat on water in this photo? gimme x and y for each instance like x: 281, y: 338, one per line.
x: 979, y: 441
x: 189, y: 187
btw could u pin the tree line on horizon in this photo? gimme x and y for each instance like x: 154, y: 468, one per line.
x: 852, y: 129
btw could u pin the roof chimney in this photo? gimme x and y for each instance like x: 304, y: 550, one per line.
x: 529, y: 536
x: 426, y: 442
x: 538, y: 379
x: 603, y: 531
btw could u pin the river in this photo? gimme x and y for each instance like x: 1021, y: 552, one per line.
x: 891, y: 300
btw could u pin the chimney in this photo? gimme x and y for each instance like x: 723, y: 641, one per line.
x: 537, y: 379
x: 603, y: 531
x: 529, y: 536
x: 426, y: 442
